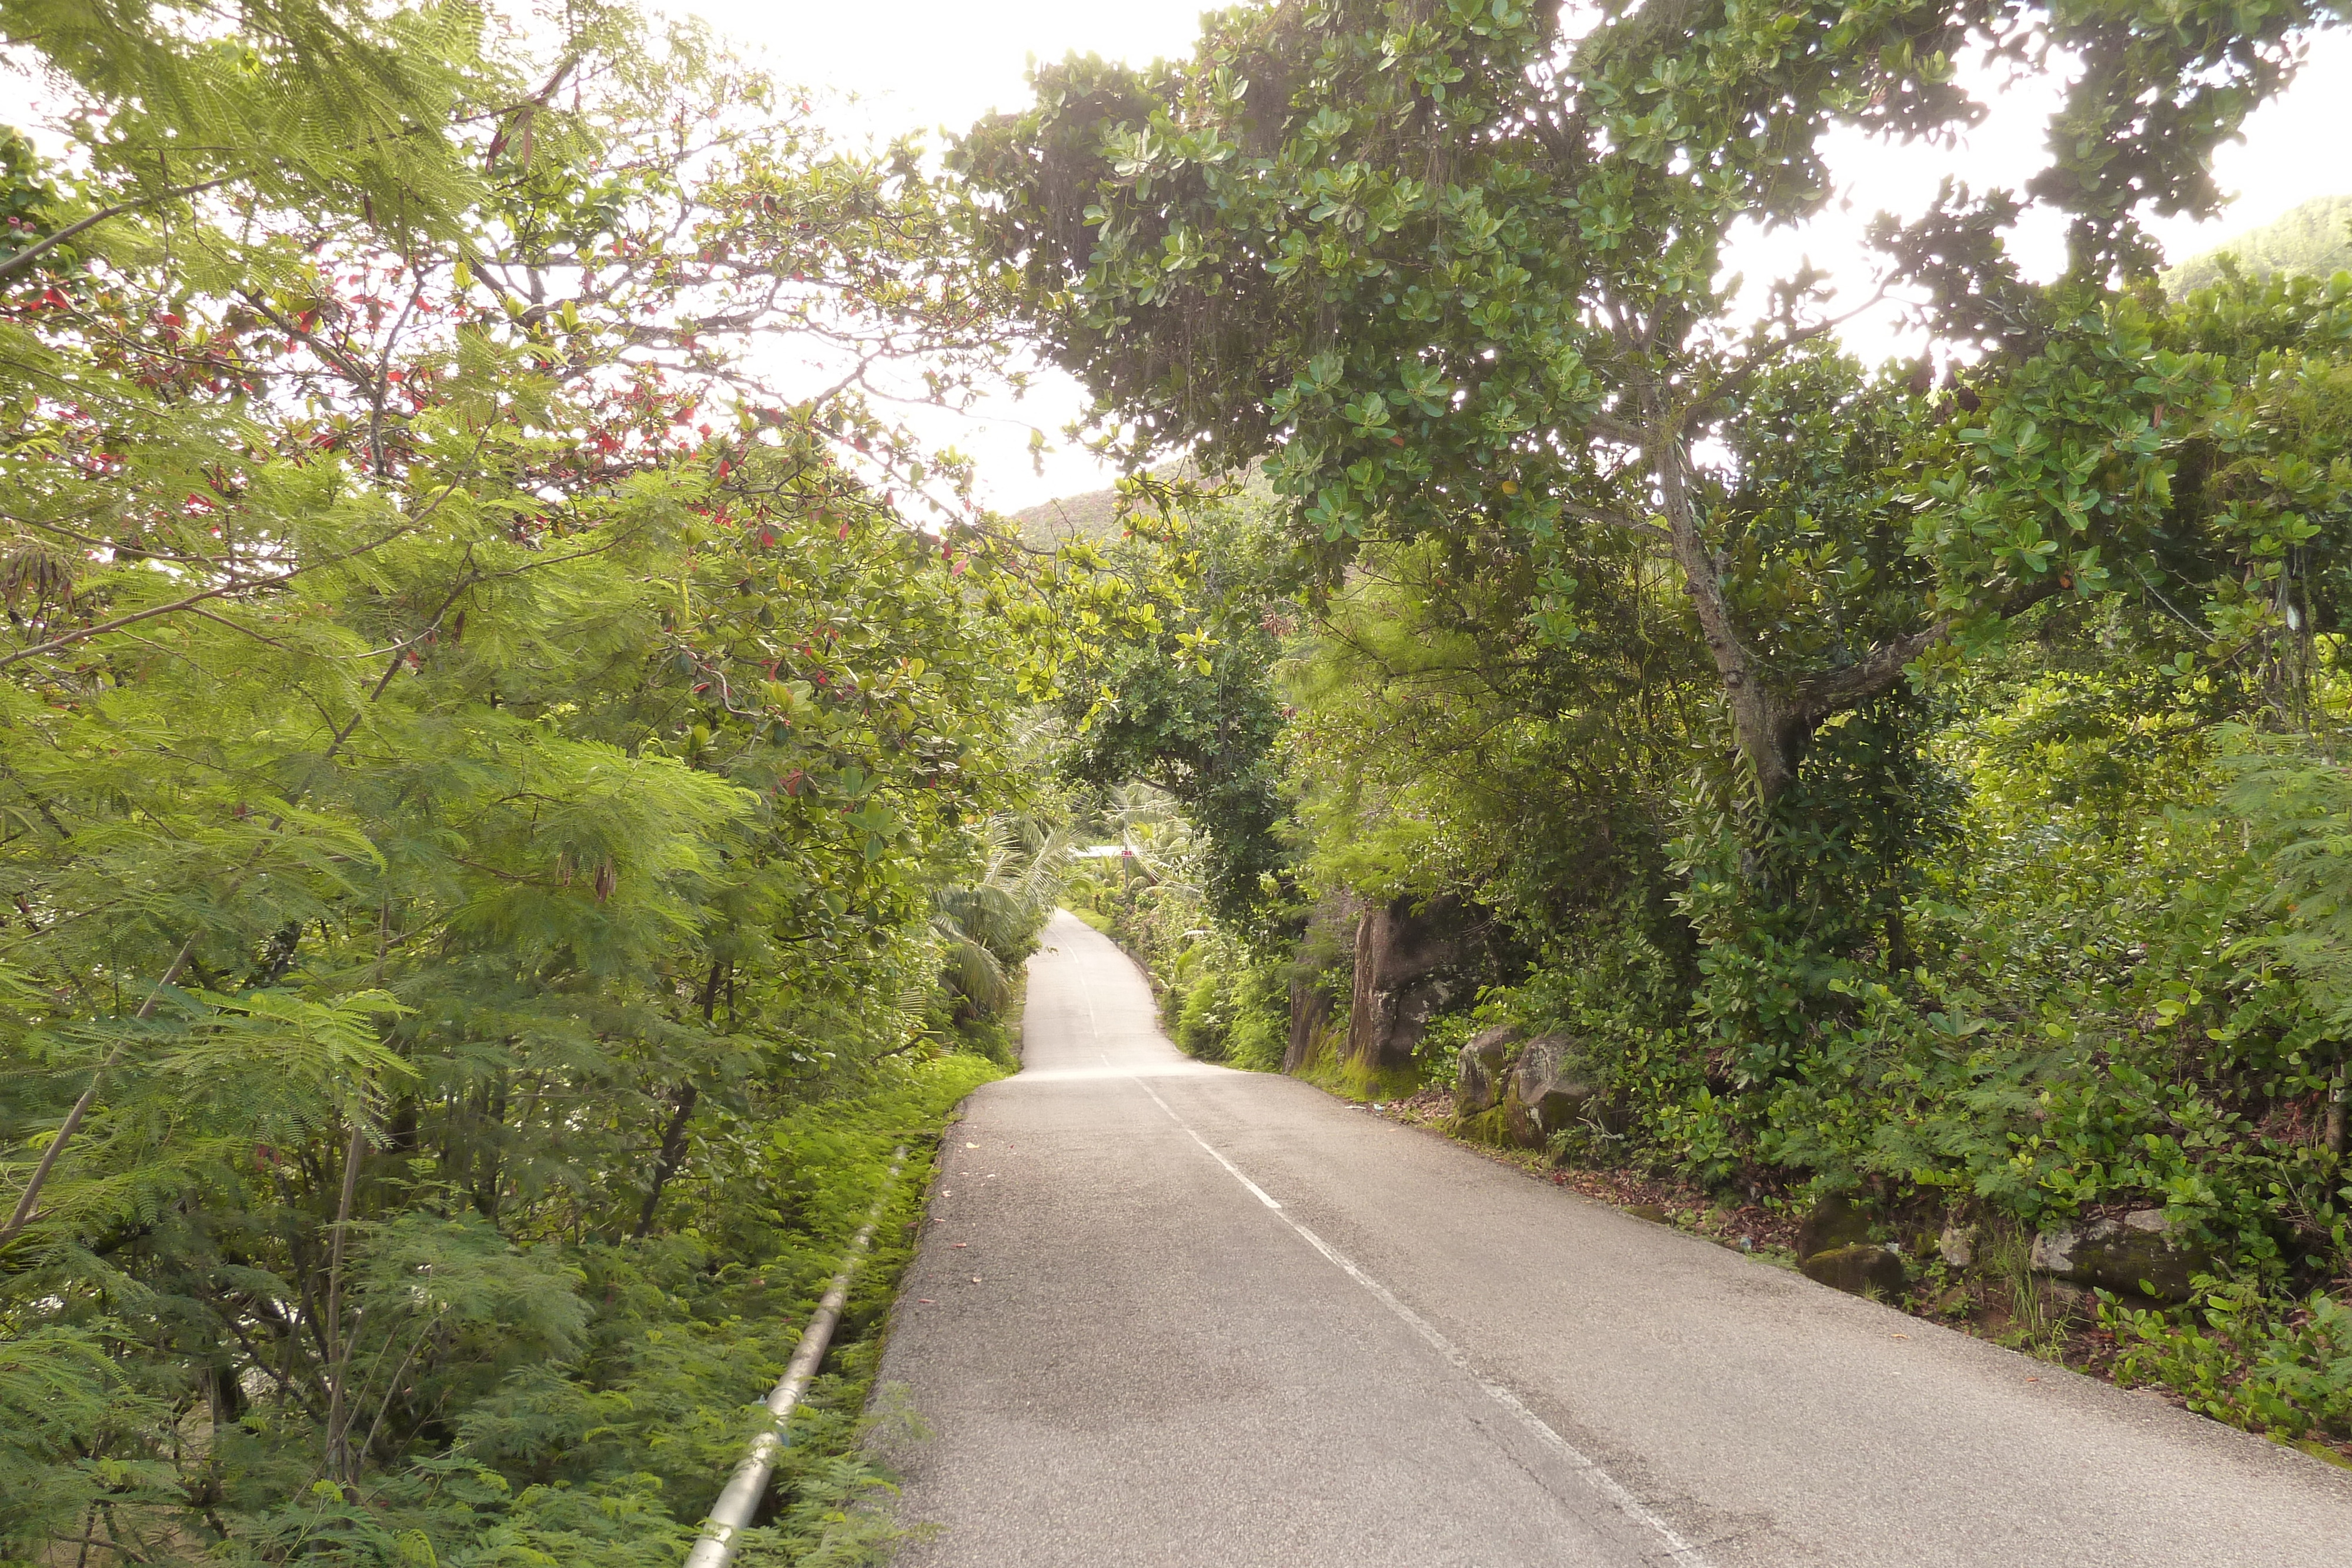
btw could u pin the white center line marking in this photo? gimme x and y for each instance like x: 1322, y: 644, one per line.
x: 1678, y: 1550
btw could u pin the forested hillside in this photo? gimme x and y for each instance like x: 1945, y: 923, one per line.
x: 1899, y: 806
x: 508, y: 812
x: 2316, y: 239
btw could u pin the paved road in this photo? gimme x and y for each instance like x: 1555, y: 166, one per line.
x: 1168, y: 1314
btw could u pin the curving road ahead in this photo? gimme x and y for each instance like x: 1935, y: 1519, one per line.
x: 1170, y: 1314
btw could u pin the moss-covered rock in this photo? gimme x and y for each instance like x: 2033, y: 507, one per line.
x: 1835, y: 1222
x: 1485, y: 1127
x: 1478, y: 1079
x: 1551, y: 1089
x: 2138, y: 1253
x: 1860, y: 1270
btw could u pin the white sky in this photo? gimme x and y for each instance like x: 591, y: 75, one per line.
x: 924, y: 65
x: 919, y: 65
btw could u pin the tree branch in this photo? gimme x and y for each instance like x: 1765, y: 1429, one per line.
x: 1873, y: 674
x: 1618, y: 520
x: 1736, y: 381
x: 32, y: 253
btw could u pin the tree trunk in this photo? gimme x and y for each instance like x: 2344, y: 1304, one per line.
x: 673, y: 1152
x: 1769, y: 731
x: 1773, y: 729
x: 488, y: 1165
x: 673, y: 1144
x: 340, y: 1468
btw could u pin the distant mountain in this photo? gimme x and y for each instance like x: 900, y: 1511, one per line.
x: 1094, y: 516
x: 2315, y: 238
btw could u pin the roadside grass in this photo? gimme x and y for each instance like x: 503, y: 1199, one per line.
x: 1355, y: 1081
x: 829, y: 1503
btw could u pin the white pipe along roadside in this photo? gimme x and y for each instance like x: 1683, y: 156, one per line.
x: 733, y: 1512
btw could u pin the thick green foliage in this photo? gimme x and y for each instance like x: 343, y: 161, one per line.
x: 505, y: 818
x: 1192, y: 710
x: 590, y: 1397
x: 1446, y: 271
x: 2282, y: 1367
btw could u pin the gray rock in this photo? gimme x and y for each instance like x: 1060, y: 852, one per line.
x: 2137, y: 1253
x: 1957, y: 1245
x: 1860, y: 1269
x: 1408, y: 964
x: 1479, y: 1082
x: 1835, y: 1222
x: 1551, y: 1089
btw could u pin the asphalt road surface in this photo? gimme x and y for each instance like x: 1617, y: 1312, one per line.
x: 1169, y: 1315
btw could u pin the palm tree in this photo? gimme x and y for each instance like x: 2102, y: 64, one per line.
x: 989, y: 924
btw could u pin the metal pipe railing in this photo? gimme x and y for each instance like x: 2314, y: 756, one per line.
x: 740, y: 1502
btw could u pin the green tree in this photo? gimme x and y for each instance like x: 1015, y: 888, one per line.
x: 1448, y: 268
x: 1190, y: 707
x: 481, y: 761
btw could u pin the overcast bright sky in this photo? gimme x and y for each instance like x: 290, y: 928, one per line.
x: 917, y: 65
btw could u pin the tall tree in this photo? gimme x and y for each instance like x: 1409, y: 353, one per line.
x: 479, y: 752
x: 1446, y: 267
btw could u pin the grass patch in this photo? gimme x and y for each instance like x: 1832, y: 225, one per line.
x: 832, y: 1483
x: 1357, y: 1080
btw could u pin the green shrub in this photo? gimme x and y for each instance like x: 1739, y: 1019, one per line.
x: 2282, y: 1367
x: 1260, y: 1034
x: 1202, y: 1025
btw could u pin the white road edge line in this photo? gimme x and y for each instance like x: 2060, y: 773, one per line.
x: 1680, y: 1550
